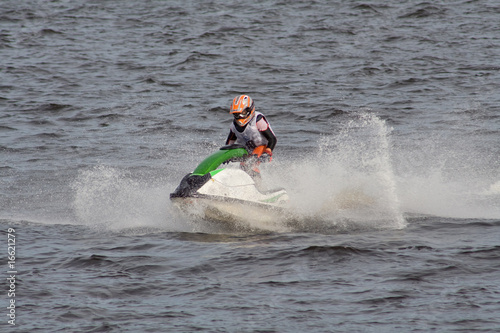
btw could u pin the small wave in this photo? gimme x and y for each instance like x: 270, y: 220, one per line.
x: 195, y: 57
x: 488, y: 253
x: 11, y: 150
x: 93, y: 260
x: 336, y: 250
x: 417, y: 248
x: 48, y: 31
x: 49, y: 135
x: 7, y: 128
x: 43, y: 122
x: 385, y: 301
x: 110, y: 116
x: 54, y: 107
x: 368, y: 8
x: 426, y: 11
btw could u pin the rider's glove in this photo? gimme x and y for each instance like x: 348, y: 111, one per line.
x: 250, y: 145
x: 267, y: 156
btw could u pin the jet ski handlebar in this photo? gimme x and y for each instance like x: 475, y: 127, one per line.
x: 233, y: 146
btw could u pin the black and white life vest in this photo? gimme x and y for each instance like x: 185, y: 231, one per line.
x: 250, y: 132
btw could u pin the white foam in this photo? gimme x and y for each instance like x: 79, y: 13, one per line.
x: 106, y: 197
x: 349, y: 179
x: 494, y: 189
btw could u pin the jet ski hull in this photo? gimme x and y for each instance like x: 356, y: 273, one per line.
x: 237, y: 212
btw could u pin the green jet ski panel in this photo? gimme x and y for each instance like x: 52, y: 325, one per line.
x: 226, y: 153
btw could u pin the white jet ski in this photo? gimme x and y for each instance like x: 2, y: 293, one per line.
x: 228, y: 193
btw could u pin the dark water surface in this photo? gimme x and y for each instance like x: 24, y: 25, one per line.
x: 387, y: 115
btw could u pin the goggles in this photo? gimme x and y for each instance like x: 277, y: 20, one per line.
x: 243, y: 114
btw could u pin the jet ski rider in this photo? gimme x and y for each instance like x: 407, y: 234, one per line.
x: 251, y: 129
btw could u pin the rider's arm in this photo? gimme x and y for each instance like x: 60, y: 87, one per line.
x: 271, y: 138
x: 231, y: 138
x: 265, y: 130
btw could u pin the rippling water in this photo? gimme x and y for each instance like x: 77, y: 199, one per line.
x: 105, y: 106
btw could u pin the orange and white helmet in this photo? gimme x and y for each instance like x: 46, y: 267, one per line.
x: 243, y: 109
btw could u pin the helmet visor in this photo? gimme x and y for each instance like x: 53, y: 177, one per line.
x: 243, y: 114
